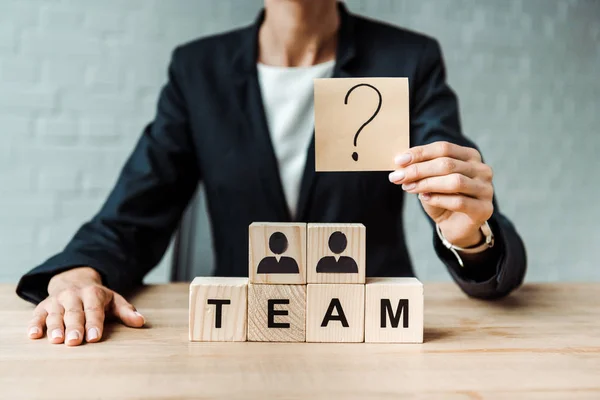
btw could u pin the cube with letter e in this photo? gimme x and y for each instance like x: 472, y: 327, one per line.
x: 276, y: 313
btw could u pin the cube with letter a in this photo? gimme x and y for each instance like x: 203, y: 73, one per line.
x: 218, y: 309
x: 394, y: 310
x: 335, y: 313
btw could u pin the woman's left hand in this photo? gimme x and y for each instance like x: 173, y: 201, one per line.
x: 454, y: 187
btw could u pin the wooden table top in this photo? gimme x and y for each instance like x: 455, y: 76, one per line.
x: 542, y: 342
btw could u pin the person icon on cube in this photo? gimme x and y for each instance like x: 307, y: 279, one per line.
x: 278, y: 244
x: 339, y: 264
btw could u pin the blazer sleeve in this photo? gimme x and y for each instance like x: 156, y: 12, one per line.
x: 132, y: 230
x: 435, y: 117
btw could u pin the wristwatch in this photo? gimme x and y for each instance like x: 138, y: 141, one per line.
x: 486, y: 244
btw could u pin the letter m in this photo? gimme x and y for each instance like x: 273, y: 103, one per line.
x: 401, y: 310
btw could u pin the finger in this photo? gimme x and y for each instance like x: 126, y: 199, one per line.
x: 35, y: 329
x: 453, y: 183
x: 126, y: 312
x: 479, y: 210
x: 74, y: 317
x: 94, y: 302
x: 435, y: 150
x: 54, y: 322
x: 438, y: 167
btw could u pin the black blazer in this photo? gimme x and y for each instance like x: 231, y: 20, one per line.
x: 210, y: 126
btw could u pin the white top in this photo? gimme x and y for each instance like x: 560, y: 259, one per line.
x: 287, y: 95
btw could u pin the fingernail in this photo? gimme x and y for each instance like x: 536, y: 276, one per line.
x: 409, y: 186
x: 34, y: 331
x: 425, y: 196
x: 396, y: 176
x: 57, y: 334
x: 140, y: 315
x: 92, y: 334
x: 73, y: 335
x: 403, y: 159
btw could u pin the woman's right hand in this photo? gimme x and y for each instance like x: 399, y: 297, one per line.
x: 76, y: 308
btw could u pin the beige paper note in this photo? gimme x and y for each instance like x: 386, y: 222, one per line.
x: 361, y: 124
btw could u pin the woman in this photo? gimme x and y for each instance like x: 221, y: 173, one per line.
x: 237, y: 115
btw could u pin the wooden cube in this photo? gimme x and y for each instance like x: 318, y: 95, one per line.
x: 277, y: 253
x: 335, y: 313
x: 218, y: 309
x: 394, y: 310
x: 276, y: 313
x: 336, y: 253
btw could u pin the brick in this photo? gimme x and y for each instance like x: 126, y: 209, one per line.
x: 57, y: 234
x: 105, y: 21
x: 139, y: 74
x: 65, y: 128
x: 80, y: 209
x: 145, y: 26
x: 116, y: 5
x: 19, y: 70
x: 130, y: 129
x: 185, y: 7
x: 18, y: 178
x: 24, y: 210
x: 21, y: 14
x: 8, y: 38
x: 100, y: 130
x: 18, y: 259
x: 6, y: 155
x: 87, y: 158
x: 15, y: 97
x: 113, y: 104
x: 15, y: 126
x: 105, y: 77
x: 73, y: 44
x: 53, y: 18
x: 94, y: 182
x: 62, y: 72
x: 155, y: 53
x: 59, y: 179
x: 147, y: 100
x: 18, y: 235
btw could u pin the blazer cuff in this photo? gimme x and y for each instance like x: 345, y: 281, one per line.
x: 495, y: 272
x: 33, y: 286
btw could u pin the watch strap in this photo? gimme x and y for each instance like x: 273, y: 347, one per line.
x: 486, y: 244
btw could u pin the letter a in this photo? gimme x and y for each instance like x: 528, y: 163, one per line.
x: 335, y: 303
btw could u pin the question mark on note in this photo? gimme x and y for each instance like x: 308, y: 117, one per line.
x: 367, y: 122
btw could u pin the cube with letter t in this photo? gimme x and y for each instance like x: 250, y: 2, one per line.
x: 218, y: 309
x: 394, y: 310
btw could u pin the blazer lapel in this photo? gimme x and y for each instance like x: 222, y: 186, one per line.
x: 261, y: 152
x: 345, y: 53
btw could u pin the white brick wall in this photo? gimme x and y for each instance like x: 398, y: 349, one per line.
x: 79, y: 79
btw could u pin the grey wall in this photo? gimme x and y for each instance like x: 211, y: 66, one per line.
x: 79, y: 79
